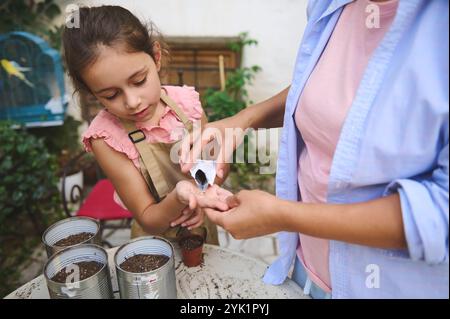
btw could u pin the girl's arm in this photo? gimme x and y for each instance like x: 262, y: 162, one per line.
x: 132, y: 189
x: 375, y: 223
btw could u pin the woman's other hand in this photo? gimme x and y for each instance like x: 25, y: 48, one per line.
x: 252, y: 213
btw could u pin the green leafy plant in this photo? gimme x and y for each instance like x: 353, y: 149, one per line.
x: 63, y: 141
x: 220, y: 104
x: 32, y: 16
x: 29, y: 199
x: 27, y: 178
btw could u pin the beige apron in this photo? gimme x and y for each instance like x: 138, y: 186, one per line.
x: 162, y: 175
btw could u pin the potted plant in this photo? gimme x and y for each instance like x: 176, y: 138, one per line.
x: 192, y: 250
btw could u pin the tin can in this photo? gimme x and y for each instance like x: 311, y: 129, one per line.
x: 155, y: 284
x: 97, y: 286
x: 70, y: 226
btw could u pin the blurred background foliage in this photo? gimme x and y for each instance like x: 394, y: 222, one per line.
x: 29, y: 158
x: 32, y: 16
x: 219, y: 104
x: 29, y: 199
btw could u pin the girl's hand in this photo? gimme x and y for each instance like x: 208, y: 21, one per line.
x: 253, y: 213
x: 188, y: 194
x: 190, y: 218
x: 214, y: 197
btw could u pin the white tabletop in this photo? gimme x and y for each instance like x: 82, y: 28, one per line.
x: 225, y: 274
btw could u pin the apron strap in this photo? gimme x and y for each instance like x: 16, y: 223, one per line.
x: 173, y: 105
x: 150, y: 169
x: 149, y: 165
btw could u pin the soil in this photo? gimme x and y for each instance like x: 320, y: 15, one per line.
x: 201, y: 177
x: 74, y: 239
x: 144, y: 263
x: 191, y: 242
x: 87, y: 269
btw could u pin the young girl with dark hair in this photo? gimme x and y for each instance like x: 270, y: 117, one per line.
x: 117, y: 59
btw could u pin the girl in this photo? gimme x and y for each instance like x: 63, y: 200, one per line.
x: 114, y: 57
x: 363, y: 166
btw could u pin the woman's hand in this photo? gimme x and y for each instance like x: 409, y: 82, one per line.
x: 267, y: 114
x: 195, y: 200
x: 253, y: 213
x: 213, y: 133
x: 256, y: 213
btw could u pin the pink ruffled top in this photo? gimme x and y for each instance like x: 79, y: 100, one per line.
x: 170, y: 129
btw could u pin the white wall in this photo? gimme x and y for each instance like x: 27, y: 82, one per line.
x: 277, y: 25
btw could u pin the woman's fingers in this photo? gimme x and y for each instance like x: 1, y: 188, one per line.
x: 191, y: 149
x: 232, y: 201
x: 220, y: 163
x: 185, y: 150
x: 215, y: 216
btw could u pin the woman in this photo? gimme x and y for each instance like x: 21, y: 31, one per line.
x: 362, y: 179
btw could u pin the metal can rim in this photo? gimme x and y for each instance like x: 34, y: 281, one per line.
x: 67, y: 220
x: 141, y: 239
x: 78, y: 246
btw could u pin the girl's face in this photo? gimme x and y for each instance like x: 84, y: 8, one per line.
x: 126, y: 84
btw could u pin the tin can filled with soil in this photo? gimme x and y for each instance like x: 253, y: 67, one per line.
x: 146, y: 269
x: 79, y: 272
x: 70, y: 232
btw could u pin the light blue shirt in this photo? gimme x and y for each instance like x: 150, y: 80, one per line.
x: 394, y: 139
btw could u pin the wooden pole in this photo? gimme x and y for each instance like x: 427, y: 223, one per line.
x: 222, y: 73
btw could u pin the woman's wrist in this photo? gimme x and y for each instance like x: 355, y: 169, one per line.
x: 279, y: 213
x: 245, y: 119
x: 290, y: 213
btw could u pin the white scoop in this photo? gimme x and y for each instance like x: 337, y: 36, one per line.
x: 204, y: 173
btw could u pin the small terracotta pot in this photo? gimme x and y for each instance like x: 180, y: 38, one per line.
x: 192, y: 250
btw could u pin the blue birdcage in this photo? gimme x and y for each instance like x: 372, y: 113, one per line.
x: 33, y: 92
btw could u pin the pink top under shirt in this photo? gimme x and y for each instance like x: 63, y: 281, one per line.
x: 321, y: 112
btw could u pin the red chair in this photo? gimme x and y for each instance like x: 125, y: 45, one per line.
x: 98, y: 203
